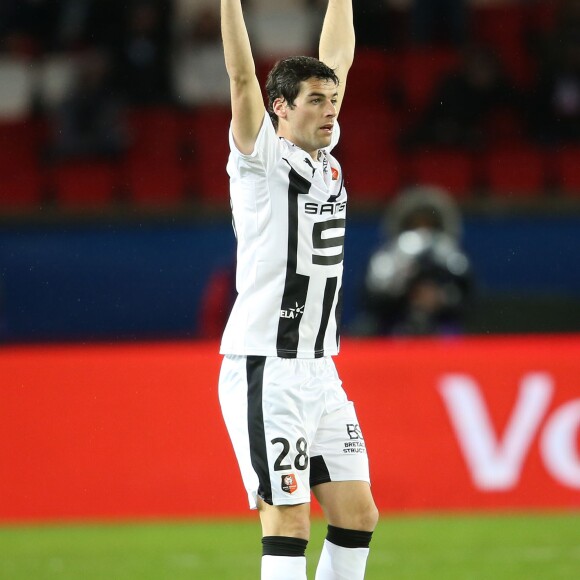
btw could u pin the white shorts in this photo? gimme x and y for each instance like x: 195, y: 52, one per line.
x: 291, y: 425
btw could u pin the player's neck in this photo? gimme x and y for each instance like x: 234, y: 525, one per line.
x: 313, y: 154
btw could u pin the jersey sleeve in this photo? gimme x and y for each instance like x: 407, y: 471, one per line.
x: 266, y: 151
x: 249, y: 175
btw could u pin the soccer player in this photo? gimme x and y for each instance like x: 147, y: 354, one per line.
x: 293, y: 429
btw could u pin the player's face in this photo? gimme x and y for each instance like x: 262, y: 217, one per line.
x: 310, y: 122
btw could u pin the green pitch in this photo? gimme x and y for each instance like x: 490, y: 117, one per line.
x: 514, y: 547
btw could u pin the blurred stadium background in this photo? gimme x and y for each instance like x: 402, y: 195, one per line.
x: 113, y: 198
x: 116, y: 257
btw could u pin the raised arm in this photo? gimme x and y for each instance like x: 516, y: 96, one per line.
x: 247, y: 103
x: 337, y: 41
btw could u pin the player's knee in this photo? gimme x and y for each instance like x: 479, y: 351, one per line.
x: 365, y: 518
x: 369, y: 517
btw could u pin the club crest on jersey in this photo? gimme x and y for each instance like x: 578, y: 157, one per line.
x: 334, y: 172
x: 289, y: 484
x: 292, y: 312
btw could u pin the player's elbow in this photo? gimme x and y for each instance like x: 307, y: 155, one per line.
x: 241, y: 74
x: 338, y: 57
x: 240, y: 85
x: 340, y: 63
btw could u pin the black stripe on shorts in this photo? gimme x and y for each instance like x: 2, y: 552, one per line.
x: 258, y: 451
x: 318, y: 471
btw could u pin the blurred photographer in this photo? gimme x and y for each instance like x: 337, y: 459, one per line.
x: 419, y: 281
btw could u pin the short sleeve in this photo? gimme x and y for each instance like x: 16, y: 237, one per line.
x: 266, y: 151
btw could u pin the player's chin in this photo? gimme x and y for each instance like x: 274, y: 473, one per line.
x: 325, y: 140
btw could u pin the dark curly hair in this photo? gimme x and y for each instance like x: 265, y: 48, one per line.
x: 285, y: 77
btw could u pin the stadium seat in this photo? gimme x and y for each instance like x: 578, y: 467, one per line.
x: 516, y: 171
x: 370, y: 78
x: 420, y: 72
x: 152, y: 170
x: 372, y: 125
x: 373, y: 176
x: 450, y: 169
x: 21, y: 181
x: 366, y: 152
x: 22, y: 191
x: 155, y: 183
x: 206, y: 136
x: 567, y: 170
x: 86, y: 183
x: 503, y: 127
x: 502, y: 27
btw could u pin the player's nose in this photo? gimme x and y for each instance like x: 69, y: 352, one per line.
x: 330, y: 109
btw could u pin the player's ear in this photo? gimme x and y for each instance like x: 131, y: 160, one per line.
x: 280, y: 107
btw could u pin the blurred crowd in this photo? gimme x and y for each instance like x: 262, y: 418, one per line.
x: 79, y: 60
x: 431, y: 76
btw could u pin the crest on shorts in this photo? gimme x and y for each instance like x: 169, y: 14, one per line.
x: 289, y: 484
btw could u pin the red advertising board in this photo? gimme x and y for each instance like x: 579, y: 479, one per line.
x: 125, y: 431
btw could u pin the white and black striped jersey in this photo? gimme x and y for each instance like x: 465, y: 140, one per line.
x: 289, y: 216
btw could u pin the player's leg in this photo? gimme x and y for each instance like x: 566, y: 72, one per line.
x: 352, y: 516
x: 340, y: 481
x: 263, y: 411
x: 285, y: 534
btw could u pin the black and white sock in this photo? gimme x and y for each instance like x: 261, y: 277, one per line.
x: 283, y: 558
x: 344, y: 555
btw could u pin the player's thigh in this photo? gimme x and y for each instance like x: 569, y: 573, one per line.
x: 289, y: 417
x: 347, y: 504
x: 233, y: 396
x: 338, y: 452
x: 270, y: 425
